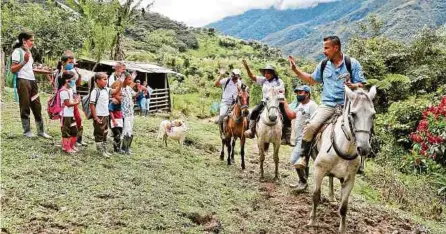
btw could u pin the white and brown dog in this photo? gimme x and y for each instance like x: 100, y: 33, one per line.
x: 175, y: 129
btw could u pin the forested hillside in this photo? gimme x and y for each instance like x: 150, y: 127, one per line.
x: 299, y: 31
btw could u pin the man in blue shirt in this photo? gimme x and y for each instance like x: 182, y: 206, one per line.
x: 334, y: 76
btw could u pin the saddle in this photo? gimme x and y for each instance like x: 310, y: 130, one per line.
x: 317, y: 139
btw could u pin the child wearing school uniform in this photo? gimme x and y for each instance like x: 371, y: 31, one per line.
x: 116, y: 119
x: 99, y: 110
x: 128, y: 112
x: 68, y: 102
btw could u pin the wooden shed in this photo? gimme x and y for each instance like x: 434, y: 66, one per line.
x: 156, y: 77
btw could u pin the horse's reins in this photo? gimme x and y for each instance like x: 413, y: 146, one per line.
x: 239, y: 119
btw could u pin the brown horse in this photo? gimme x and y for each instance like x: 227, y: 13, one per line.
x: 236, y: 125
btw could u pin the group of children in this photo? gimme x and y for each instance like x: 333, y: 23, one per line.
x: 109, y: 106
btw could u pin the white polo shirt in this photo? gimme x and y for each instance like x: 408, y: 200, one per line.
x: 26, y: 72
x: 266, y: 84
x: 68, y: 111
x: 102, y: 104
x: 231, y: 91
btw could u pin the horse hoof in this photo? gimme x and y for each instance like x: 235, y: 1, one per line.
x: 276, y: 180
x: 262, y: 179
x: 222, y: 158
x: 243, y: 167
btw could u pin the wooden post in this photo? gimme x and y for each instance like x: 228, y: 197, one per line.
x: 147, y: 81
x: 166, y: 86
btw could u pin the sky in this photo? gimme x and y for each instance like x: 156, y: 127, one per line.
x: 199, y: 13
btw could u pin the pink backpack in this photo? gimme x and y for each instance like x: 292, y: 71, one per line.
x: 54, y: 106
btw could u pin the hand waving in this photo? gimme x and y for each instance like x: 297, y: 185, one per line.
x: 292, y: 62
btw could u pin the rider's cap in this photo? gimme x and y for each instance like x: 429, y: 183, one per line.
x: 236, y: 72
x: 305, y: 88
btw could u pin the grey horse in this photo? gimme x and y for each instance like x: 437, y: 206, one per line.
x: 269, y: 130
x: 340, y: 146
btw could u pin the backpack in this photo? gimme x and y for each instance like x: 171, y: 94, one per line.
x: 348, y: 64
x: 11, y: 77
x: 86, y: 103
x: 54, y: 106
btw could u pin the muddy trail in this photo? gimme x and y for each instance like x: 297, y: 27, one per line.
x: 291, y: 209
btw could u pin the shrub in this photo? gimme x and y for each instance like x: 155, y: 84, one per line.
x: 429, y: 140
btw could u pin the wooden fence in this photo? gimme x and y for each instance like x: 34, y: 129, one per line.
x: 159, y: 100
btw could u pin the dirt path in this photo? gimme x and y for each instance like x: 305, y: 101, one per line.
x: 293, y: 209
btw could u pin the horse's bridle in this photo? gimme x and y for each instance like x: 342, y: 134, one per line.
x: 351, y: 123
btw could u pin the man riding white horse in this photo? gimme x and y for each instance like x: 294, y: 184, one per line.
x: 334, y: 72
x: 268, y: 79
x: 231, y: 86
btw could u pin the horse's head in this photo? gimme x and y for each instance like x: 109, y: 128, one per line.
x: 243, y: 100
x: 272, y: 104
x: 360, y: 116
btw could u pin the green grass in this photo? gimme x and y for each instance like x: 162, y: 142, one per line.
x: 160, y: 190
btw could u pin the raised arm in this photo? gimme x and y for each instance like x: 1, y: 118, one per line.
x: 117, y: 90
x: 220, y: 76
x: 305, y: 77
x: 250, y: 75
x: 291, y: 114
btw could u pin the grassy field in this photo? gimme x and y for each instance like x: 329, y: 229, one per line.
x: 160, y: 190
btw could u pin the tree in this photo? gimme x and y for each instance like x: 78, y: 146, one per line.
x: 127, y: 14
x: 98, y: 19
x: 55, y: 29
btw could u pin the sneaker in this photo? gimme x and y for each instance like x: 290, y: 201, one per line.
x: 45, y: 135
x: 28, y: 134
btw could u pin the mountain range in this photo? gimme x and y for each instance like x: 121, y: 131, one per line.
x: 300, y: 31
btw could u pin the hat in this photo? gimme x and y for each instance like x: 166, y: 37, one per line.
x: 236, y: 72
x: 138, y: 81
x: 269, y: 67
x: 65, y: 58
x: 305, y: 88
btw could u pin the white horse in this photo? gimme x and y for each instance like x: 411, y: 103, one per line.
x: 269, y: 130
x: 340, y: 146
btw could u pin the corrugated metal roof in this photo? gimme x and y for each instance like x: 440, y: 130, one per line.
x: 138, y: 66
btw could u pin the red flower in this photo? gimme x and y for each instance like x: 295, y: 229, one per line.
x: 424, y: 146
x: 416, y: 138
x: 423, y: 125
x: 431, y: 139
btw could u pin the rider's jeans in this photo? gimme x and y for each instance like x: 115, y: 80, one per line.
x: 322, y: 114
x: 224, y: 108
x: 295, y: 155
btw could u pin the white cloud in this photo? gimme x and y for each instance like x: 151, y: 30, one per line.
x: 202, y: 12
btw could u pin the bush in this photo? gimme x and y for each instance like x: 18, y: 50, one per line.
x: 429, y: 140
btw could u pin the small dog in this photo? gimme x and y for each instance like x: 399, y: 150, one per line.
x: 175, y: 129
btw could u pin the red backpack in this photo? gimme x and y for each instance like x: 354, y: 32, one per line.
x: 54, y: 106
